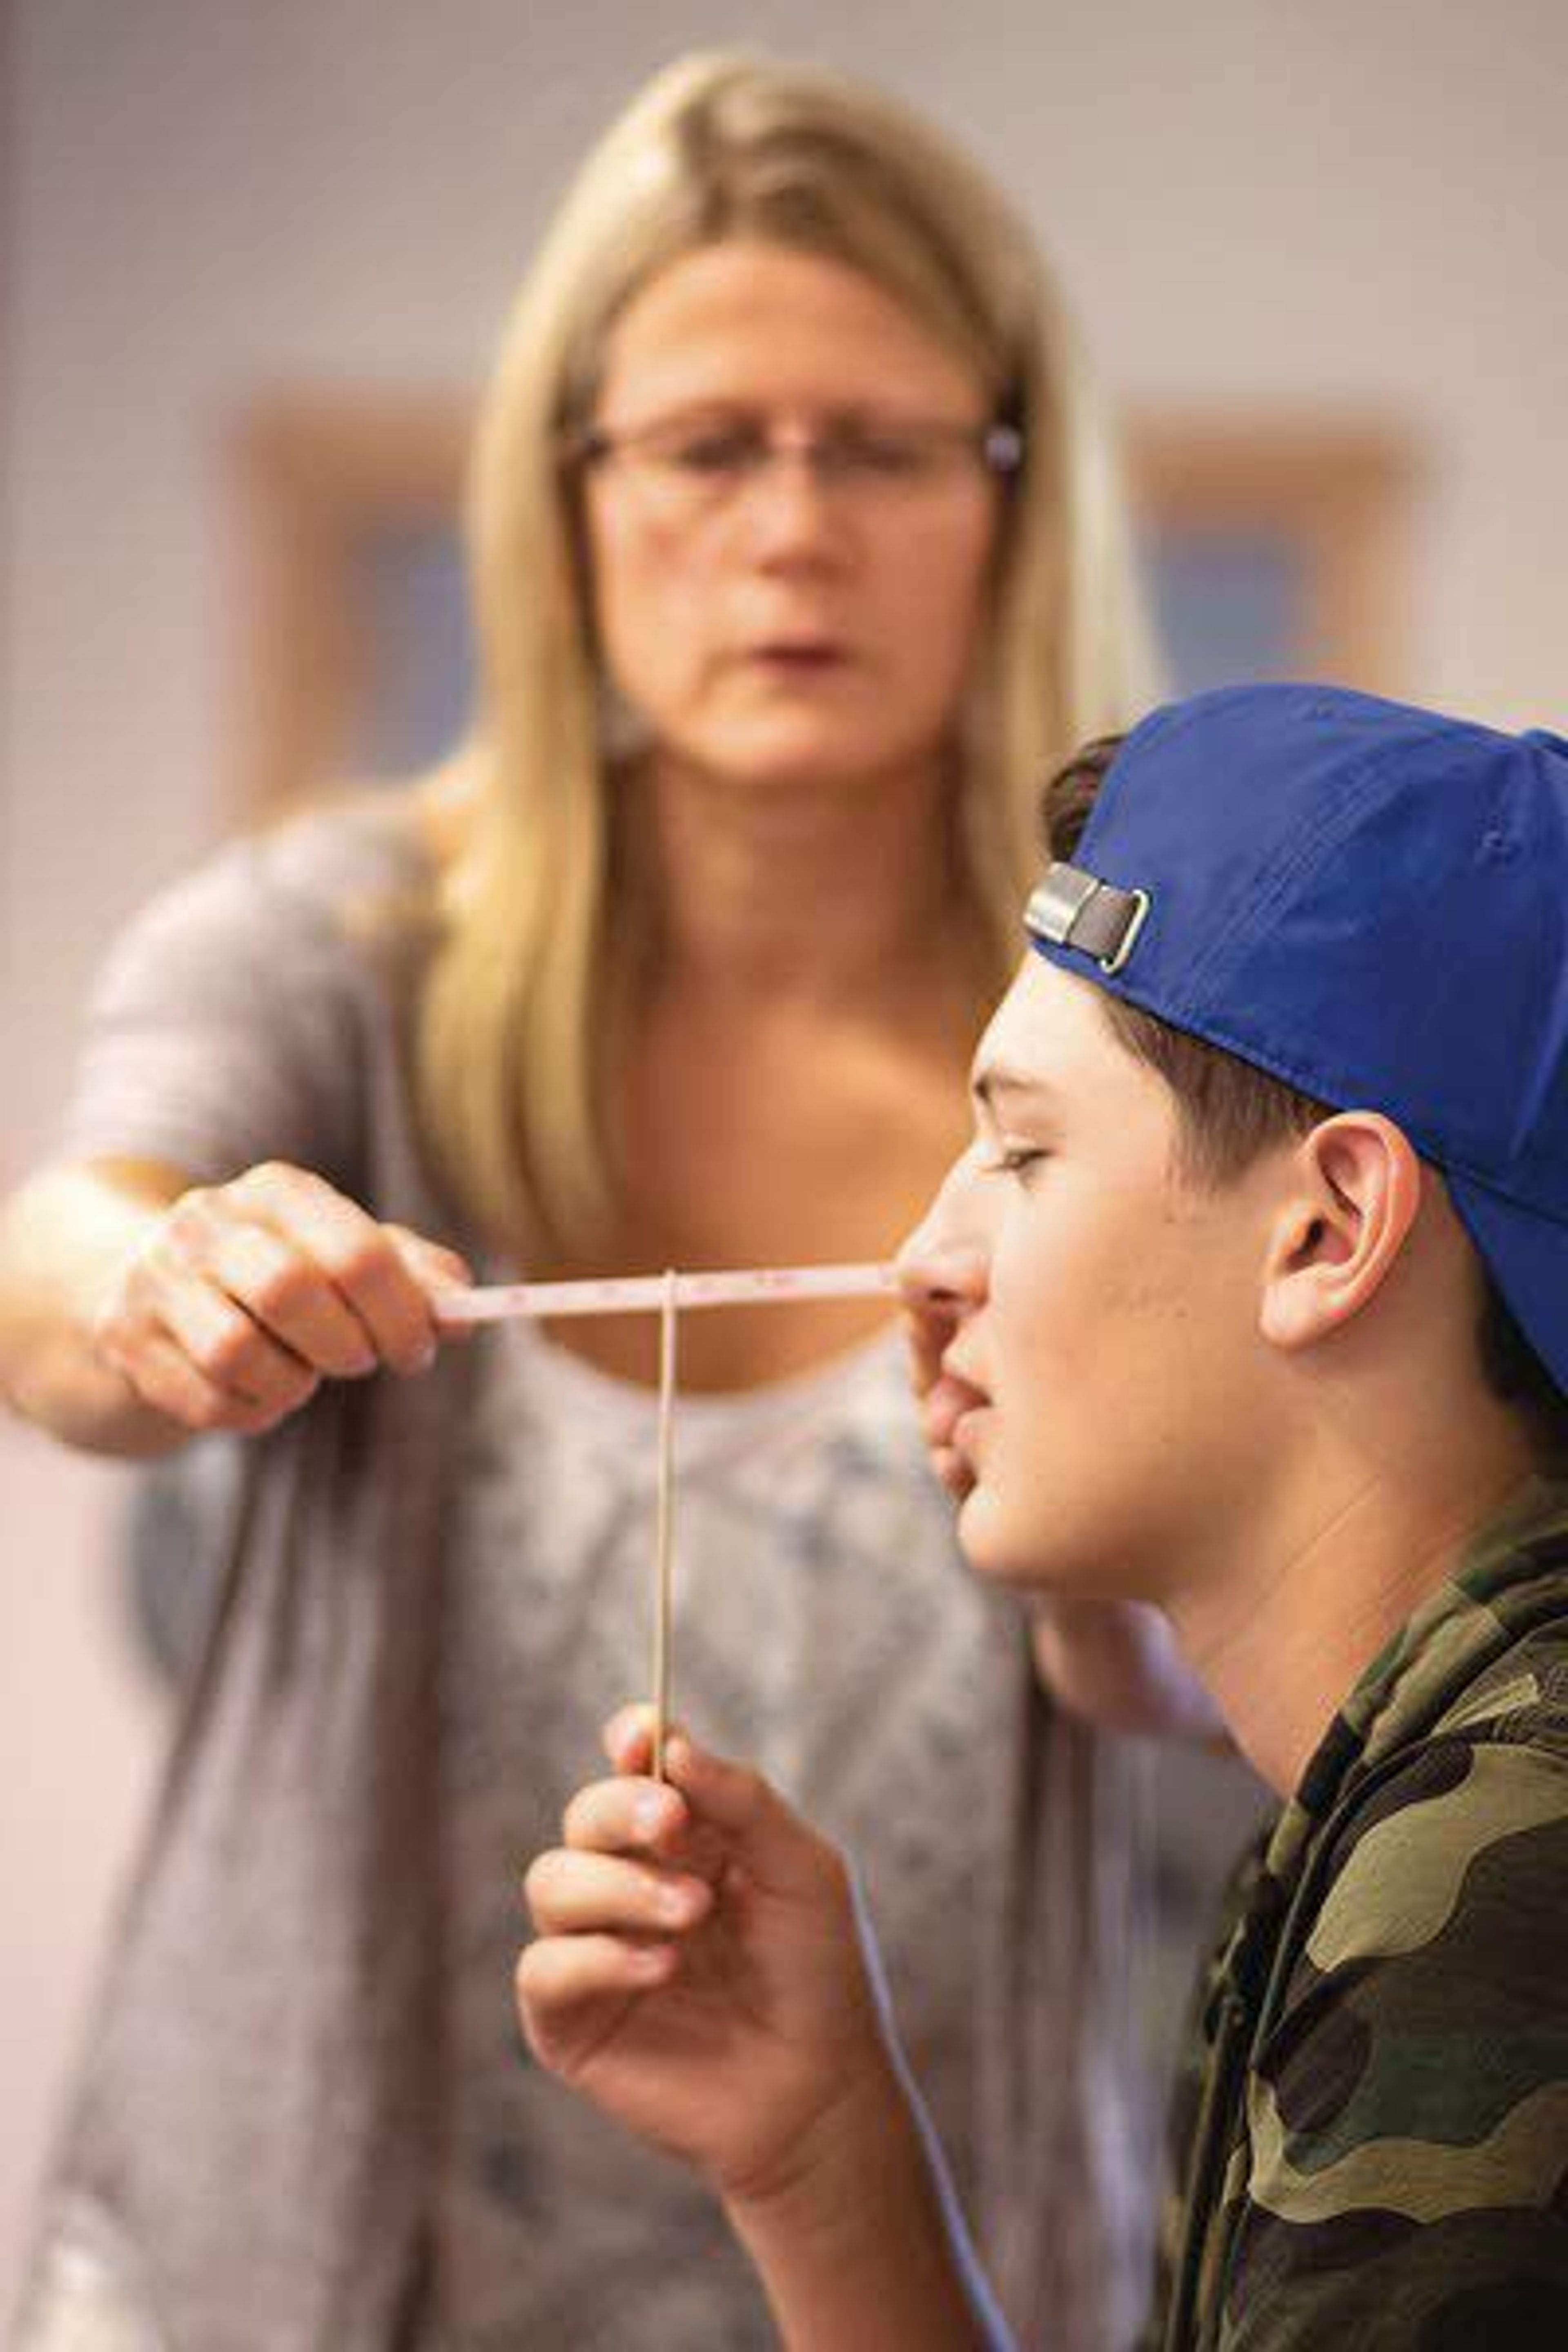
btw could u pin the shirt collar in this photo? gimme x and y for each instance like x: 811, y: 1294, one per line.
x: 1513, y: 1575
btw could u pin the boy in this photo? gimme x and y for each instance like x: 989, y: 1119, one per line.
x: 1253, y: 1291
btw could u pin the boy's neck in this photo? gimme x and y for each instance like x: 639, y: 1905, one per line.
x: 1282, y: 1642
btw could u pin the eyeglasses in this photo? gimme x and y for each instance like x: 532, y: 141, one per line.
x: 698, y: 467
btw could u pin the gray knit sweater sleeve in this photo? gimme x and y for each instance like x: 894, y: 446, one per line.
x: 240, y: 1015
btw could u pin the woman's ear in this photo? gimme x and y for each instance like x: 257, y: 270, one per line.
x: 1346, y: 1209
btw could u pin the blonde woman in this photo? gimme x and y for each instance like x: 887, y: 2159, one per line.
x: 796, y: 557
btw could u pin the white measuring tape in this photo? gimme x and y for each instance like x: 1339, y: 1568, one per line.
x: 650, y: 1293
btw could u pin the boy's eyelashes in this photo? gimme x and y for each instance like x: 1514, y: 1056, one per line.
x: 1011, y: 1159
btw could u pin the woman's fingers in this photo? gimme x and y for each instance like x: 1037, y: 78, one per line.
x: 228, y: 1341
x: 290, y: 1299
x: 167, y: 1379
x: 245, y: 1296
x: 433, y: 1265
x: 344, y: 1251
x: 195, y: 1356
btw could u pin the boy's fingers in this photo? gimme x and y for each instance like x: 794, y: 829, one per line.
x: 558, y: 1974
x: 628, y: 1737
x: 571, y: 1894
x: 777, y: 1850
x: 754, y: 1826
x: 628, y: 1815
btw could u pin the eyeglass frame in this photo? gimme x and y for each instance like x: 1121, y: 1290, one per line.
x: 1000, y: 446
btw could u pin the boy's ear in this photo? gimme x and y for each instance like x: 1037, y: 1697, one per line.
x: 1345, y: 1211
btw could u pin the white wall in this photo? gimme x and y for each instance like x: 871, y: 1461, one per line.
x: 1359, y: 208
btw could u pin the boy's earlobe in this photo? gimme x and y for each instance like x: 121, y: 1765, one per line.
x: 1340, y: 1228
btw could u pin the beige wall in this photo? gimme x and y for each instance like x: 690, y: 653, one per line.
x: 1358, y: 209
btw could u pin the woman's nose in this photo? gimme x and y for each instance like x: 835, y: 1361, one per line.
x: 793, y: 504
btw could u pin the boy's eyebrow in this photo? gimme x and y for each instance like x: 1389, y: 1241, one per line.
x: 995, y: 1081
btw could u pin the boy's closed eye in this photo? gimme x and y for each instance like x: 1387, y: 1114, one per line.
x: 1011, y: 1159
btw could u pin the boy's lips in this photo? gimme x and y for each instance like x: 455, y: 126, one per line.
x: 964, y: 1403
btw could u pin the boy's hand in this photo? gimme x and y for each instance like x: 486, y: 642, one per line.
x: 698, y: 1970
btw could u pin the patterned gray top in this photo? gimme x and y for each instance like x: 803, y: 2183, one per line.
x: 824, y: 1628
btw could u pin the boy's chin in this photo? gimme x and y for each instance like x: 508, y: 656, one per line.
x: 1032, y: 1560
x: 1001, y: 1554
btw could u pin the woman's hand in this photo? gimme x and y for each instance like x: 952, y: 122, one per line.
x: 699, y: 1972
x: 240, y: 1298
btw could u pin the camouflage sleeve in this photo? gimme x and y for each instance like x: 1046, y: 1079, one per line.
x: 1408, y: 2124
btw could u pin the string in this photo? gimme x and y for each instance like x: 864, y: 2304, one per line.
x: 664, y: 1526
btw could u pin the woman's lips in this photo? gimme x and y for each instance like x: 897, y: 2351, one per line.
x: 802, y: 658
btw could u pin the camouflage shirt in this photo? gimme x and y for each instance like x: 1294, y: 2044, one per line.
x: 1372, y: 2130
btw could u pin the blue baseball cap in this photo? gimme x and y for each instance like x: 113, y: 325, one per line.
x: 1370, y: 902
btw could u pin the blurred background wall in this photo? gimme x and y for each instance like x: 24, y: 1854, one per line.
x: 1355, y: 215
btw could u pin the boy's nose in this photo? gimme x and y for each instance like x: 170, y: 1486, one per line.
x: 939, y: 1267
x: 952, y: 1279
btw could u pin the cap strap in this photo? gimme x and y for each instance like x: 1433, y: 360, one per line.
x: 1075, y: 909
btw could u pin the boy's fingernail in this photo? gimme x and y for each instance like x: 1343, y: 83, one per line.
x: 650, y: 1813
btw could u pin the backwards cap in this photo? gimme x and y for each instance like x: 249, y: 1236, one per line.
x: 1370, y: 902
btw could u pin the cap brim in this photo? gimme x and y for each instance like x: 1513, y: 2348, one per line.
x: 1527, y: 1255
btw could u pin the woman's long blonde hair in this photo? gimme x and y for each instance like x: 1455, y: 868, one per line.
x: 516, y: 1009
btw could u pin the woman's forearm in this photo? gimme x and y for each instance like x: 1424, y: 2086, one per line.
x: 63, y: 1237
